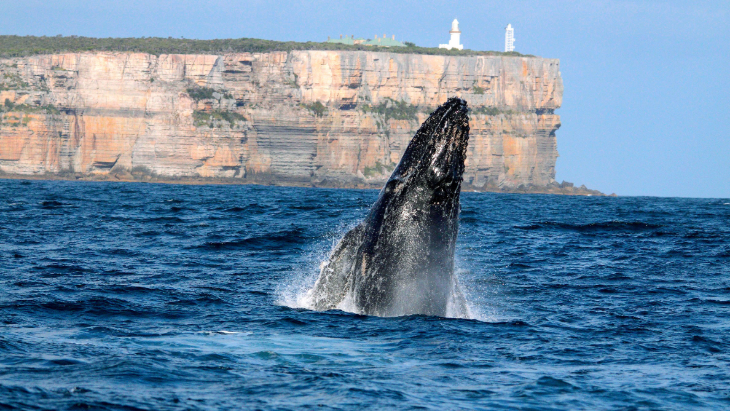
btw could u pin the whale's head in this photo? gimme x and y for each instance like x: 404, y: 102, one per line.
x: 407, y: 256
x: 432, y: 166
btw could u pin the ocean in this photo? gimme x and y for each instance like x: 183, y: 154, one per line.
x: 177, y: 297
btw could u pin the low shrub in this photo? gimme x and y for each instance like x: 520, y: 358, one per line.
x: 378, y: 169
x: 491, y: 111
x: 317, y: 108
x: 9, y: 106
x: 200, y: 93
x: 391, y: 109
x: 216, y: 118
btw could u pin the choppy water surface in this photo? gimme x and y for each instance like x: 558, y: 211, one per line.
x: 142, y: 296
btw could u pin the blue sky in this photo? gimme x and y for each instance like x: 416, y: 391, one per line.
x: 646, y: 108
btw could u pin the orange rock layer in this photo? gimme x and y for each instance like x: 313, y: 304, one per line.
x: 338, y: 118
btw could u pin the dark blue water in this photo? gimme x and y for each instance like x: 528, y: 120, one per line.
x: 142, y: 296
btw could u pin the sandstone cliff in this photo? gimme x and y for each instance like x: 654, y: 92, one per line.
x: 328, y: 118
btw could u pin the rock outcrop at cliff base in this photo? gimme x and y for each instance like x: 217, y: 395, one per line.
x: 324, y: 118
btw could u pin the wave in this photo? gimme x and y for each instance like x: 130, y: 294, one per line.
x: 130, y: 289
x: 64, y: 268
x: 162, y: 219
x: 202, y: 300
x: 281, y: 239
x: 147, y: 233
x: 95, y: 306
x: 256, y: 208
x: 599, y: 226
x: 52, y: 204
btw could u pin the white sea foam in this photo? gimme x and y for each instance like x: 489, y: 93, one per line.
x: 294, y: 292
x: 297, y: 291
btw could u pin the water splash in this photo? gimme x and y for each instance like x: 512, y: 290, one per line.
x: 295, y: 291
x: 298, y: 291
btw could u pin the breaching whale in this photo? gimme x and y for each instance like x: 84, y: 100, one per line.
x: 400, y: 259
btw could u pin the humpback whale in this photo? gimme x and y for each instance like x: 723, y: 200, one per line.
x: 400, y: 259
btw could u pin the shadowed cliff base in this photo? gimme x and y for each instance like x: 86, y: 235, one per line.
x: 564, y: 188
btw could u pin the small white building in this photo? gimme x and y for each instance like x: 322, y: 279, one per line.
x: 509, y: 38
x: 455, y: 38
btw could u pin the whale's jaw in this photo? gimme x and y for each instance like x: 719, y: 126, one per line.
x: 400, y: 259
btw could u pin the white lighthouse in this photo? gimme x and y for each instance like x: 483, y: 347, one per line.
x: 455, y: 38
x: 509, y: 38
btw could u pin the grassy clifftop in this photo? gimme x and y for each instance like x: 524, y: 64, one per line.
x: 21, y: 46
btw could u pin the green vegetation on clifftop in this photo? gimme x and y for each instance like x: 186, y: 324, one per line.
x: 20, y: 46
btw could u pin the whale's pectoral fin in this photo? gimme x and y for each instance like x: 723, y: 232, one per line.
x: 335, y: 279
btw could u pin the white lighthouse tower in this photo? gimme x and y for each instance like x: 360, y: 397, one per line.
x: 509, y: 38
x: 455, y: 38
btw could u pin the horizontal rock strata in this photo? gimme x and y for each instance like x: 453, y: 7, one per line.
x: 326, y: 118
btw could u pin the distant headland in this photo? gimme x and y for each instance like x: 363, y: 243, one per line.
x: 267, y: 112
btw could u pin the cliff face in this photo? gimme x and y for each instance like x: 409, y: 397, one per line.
x: 336, y: 118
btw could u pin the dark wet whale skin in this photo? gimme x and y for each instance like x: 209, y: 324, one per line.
x: 400, y: 259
